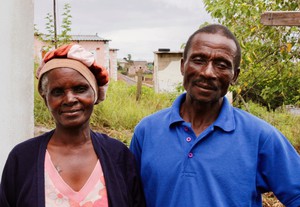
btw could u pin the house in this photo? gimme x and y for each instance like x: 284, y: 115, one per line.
x: 166, y: 71
x: 104, y: 55
x: 122, y: 63
x: 135, y: 66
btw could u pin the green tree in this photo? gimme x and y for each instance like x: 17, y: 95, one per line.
x: 64, y: 36
x: 129, y: 57
x: 270, y: 69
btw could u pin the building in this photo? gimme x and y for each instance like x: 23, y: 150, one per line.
x: 166, y: 72
x: 104, y: 55
x: 137, y: 65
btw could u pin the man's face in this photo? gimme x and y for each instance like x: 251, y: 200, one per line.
x: 208, y: 68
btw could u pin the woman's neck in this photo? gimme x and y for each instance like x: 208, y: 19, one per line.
x: 71, y: 136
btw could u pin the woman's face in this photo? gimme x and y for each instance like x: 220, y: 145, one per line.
x: 69, y: 97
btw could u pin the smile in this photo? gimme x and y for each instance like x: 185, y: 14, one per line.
x: 71, y: 112
x: 205, y: 86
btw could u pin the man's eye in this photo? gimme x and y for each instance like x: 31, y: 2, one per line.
x: 222, y: 65
x: 199, y: 60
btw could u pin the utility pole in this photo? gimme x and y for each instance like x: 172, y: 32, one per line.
x: 139, y: 74
x: 54, y: 21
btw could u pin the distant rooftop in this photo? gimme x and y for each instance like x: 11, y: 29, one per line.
x: 88, y: 38
x: 167, y: 50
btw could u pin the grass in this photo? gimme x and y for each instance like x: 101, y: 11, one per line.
x: 120, y: 112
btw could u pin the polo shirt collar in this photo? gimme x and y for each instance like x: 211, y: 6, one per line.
x: 224, y: 121
x: 175, y: 110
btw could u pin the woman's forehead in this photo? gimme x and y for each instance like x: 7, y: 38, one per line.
x: 65, y: 75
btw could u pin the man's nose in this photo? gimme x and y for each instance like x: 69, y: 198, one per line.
x: 208, y: 70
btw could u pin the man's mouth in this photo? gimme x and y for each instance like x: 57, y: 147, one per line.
x: 205, y: 86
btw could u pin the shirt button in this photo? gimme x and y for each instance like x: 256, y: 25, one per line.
x: 188, y: 139
x: 186, y: 129
x: 190, y: 155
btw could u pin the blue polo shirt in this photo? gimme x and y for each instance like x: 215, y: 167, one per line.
x: 229, y: 164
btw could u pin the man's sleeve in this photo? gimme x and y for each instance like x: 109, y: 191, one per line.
x: 279, y: 169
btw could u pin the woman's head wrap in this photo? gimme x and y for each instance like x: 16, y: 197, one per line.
x: 76, y: 57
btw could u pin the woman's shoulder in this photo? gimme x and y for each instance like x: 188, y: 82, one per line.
x: 113, y: 147
x: 32, y: 144
x: 105, y: 139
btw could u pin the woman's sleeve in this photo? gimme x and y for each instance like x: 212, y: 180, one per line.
x: 7, y: 182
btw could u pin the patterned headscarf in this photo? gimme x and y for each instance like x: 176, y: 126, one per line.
x: 76, y: 57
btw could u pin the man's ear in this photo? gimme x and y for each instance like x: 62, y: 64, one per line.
x: 235, y: 76
x: 182, y: 66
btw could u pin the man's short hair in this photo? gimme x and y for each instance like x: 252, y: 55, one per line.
x: 216, y: 29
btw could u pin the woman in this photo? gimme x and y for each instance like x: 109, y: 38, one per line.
x: 72, y: 165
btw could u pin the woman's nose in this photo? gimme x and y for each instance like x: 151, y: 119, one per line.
x: 70, y: 97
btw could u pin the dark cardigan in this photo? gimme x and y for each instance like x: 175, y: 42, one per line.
x: 22, y: 183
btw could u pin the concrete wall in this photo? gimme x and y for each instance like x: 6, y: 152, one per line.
x: 167, y: 73
x: 136, y: 66
x: 16, y: 79
x: 113, y: 64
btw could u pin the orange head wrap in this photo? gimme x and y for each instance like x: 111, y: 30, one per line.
x: 76, y: 57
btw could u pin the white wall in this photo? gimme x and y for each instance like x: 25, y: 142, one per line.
x: 16, y: 74
x: 167, y: 75
x: 169, y: 78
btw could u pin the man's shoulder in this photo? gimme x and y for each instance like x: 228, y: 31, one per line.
x: 242, y: 114
x: 252, y: 122
x: 157, y: 117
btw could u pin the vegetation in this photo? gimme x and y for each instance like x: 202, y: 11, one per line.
x: 120, y: 112
x: 63, y: 37
x: 270, y: 69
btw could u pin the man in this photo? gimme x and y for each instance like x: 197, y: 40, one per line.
x: 202, y: 152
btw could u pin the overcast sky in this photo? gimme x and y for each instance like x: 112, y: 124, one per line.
x: 136, y: 27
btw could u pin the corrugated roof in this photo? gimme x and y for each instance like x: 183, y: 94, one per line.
x: 87, y: 38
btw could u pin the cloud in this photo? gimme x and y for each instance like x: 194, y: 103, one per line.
x: 133, y: 26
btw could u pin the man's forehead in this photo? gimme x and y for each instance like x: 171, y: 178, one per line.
x: 215, y: 40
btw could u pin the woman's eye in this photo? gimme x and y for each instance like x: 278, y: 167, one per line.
x: 80, y: 89
x: 57, y: 92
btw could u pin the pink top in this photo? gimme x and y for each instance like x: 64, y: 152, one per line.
x: 59, y: 193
